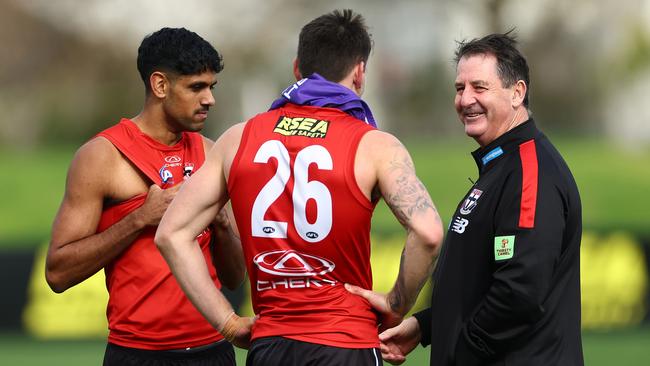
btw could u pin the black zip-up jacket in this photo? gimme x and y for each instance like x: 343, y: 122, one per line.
x: 506, y: 290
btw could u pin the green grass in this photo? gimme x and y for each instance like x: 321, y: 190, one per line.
x: 620, y: 348
x: 34, y: 184
x: 613, y: 183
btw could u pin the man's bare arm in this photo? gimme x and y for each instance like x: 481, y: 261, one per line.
x: 411, y: 204
x: 225, y: 247
x: 193, y: 209
x: 76, y: 252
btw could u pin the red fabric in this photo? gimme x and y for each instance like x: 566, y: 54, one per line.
x: 297, y: 281
x: 528, y: 156
x: 146, y: 307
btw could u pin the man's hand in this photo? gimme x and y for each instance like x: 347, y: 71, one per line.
x: 155, y: 205
x: 243, y: 336
x: 379, y: 302
x: 237, y: 330
x: 399, y: 341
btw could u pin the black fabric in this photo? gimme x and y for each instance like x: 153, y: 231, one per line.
x: 16, y: 269
x: 424, y: 322
x: 279, y: 351
x: 490, y: 309
x: 217, y: 354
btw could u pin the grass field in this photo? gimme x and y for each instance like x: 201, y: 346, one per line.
x: 615, y: 348
x: 613, y: 184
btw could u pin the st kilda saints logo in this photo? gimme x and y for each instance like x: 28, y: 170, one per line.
x: 470, y: 201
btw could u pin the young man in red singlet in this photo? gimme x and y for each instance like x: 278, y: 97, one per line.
x: 118, y: 187
x: 304, y: 179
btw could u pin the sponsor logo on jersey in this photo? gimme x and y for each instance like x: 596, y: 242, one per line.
x: 504, y: 247
x: 301, y: 126
x: 470, y: 201
x: 459, y: 224
x: 493, y: 154
x: 295, y: 270
x: 292, y: 263
x: 294, y: 283
x: 172, y: 159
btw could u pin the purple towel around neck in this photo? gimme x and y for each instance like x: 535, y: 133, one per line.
x: 319, y: 92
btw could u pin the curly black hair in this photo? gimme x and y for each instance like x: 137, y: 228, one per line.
x: 178, y: 51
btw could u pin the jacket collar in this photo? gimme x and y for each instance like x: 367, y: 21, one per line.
x: 485, y: 157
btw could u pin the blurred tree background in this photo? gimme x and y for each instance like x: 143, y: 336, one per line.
x: 67, y: 69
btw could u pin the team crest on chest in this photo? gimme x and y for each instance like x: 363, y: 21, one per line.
x: 187, y: 170
x: 166, y: 175
x: 170, y: 163
x: 471, y: 201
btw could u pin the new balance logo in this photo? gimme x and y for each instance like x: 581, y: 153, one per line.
x: 459, y: 225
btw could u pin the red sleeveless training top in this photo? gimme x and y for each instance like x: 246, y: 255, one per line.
x: 147, y: 308
x: 304, y: 225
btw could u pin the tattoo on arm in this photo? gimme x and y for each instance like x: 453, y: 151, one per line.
x: 396, y: 300
x: 399, y: 297
x: 410, y: 197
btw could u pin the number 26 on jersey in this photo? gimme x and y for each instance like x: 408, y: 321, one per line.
x: 303, y: 190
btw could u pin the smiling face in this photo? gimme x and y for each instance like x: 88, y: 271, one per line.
x: 486, y: 108
x: 189, y: 98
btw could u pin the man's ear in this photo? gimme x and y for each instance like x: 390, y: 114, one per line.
x: 519, y: 93
x: 359, y: 78
x: 159, y: 84
x: 296, y: 71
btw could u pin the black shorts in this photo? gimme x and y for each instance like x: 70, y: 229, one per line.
x: 215, y: 354
x: 279, y: 351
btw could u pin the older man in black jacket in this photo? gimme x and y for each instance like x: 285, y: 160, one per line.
x: 507, y: 283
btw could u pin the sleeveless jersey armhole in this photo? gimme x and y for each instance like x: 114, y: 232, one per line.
x: 123, y: 149
x: 349, y: 171
x: 232, y: 176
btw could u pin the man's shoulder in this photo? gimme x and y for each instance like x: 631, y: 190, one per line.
x: 98, y: 145
x: 228, y: 143
x: 376, y: 140
x: 98, y: 151
x: 233, y: 133
x: 93, y: 167
x: 379, y: 136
